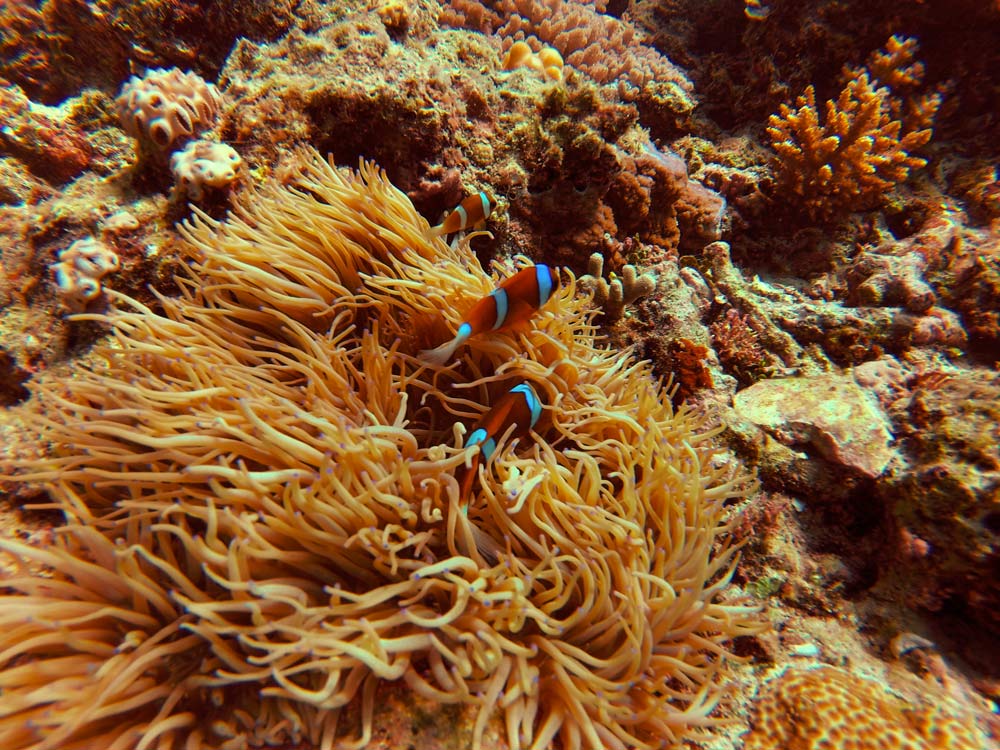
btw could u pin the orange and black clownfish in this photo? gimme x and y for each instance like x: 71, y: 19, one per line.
x: 511, y: 303
x: 520, y: 407
x: 470, y: 213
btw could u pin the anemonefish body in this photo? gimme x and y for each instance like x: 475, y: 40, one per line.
x: 519, y: 408
x: 469, y: 214
x: 511, y: 303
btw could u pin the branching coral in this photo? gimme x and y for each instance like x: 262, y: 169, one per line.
x: 614, y: 294
x: 263, y: 521
x: 847, y: 155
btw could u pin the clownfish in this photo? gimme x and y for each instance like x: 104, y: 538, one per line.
x: 519, y: 408
x: 511, y: 303
x: 470, y: 213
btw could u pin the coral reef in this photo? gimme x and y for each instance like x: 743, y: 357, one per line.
x: 45, y: 139
x: 834, y: 310
x: 56, y: 49
x: 568, y: 163
x: 830, y: 709
x: 606, y: 49
x: 971, y: 286
x: 949, y: 496
x: 262, y: 520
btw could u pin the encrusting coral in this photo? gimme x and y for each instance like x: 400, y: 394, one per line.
x: 827, y: 708
x: 846, y: 155
x: 262, y: 519
x: 165, y: 106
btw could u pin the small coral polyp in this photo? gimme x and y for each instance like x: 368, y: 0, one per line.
x: 204, y: 164
x: 263, y: 521
x: 80, y: 269
x: 166, y: 106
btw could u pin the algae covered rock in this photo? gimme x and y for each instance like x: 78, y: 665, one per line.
x: 948, y: 504
x: 830, y: 413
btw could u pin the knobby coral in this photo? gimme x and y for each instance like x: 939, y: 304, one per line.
x: 848, y: 154
x: 204, y: 164
x: 165, y: 106
x: 262, y: 519
x: 827, y: 708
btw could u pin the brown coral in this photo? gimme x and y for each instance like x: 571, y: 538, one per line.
x: 263, y: 521
x: 829, y: 709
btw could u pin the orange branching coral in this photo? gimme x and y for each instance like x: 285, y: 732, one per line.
x: 898, y: 69
x: 849, y: 154
x: 263, y: 521
x: 829, y: 709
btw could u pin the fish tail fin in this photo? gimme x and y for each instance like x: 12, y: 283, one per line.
x: 439, y: 354
x: 436, y: 231
x: 488, y: 547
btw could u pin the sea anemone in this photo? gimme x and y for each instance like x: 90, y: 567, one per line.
x: 263, y: 521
